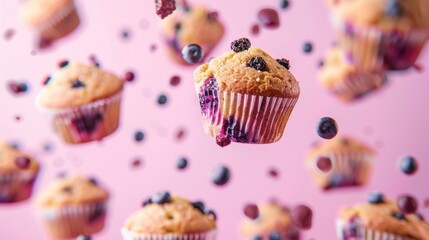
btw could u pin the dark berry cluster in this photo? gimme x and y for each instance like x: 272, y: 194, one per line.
x: 257, y: 63
x: 240, y: 45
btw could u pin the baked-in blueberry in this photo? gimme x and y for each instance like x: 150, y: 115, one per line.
x: 284, y: 62
x: 161, y: 197
x: 407, y: 204
x: 199, y: 205
x: 394, y: 9
x: 77, y: 84
x: 240, y: 45
x: 146, y: 202
x: 257, y: 63
x: 399, y: 215
x: 375, y: 198
x: 274, y: 236
x: 210, y: 212
x: 256, y: 238
x: 63, y: 64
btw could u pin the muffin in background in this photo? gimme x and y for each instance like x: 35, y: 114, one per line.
x: 380, y: 219
x: 50, y: 19
x: 273, y: 221
x: 382, y: 33
x: 245, y: 95
x: 340, y: 162
x: 165, y: 217
x: 18, y: 172
x: 72, y: 205
x: 191, y: 25
x: 346, y: 81
x: 83, y: 101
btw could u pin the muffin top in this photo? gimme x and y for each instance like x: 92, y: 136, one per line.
x: 13, y: 160
x: 385, y: 216
x: 249, y: 70
x: 272, y: 217
x: 71, y: 190
x: 338, y: 144
x: 384, y: 14
x: 76, y: 84
x: 193, y: 25
x: 335, y: 67
x: 165, y: 214
x: 36, y: 12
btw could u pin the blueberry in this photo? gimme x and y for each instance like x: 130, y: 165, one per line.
x: 222, y: 141
x: 177, y: 27
x: 274, y: 236
x: 82, y: 237
x: 63, y: 64
x: 256, y: 238
x: 175, y: 80
x: 161, y: 197
x: 375, y: 198
x: 210, y: 212
x: 220, y: 175
x: 77, y: 84
x: 399, y: 216
x: 327, y: 128
x: 302, y: 217
x: 47, y: 80
x: 240, y: 45
x: 257, y: 63
x: 307, y: 47
x: 138, y: 136
x: 284, y: 62
x: 147, y: 202
x: 162, y: 99
x: 394, y: 9
x: 199, y: 205
x: 269, y: 18
x: 129, y: 76
x: 182, y: 163
x: 407, y: 204
x: 24, y: 87
x: 251, y: 211
x: 192, y: 53
x: 408, y: 165
x: 22, y: 162
x: 125, y: 34
x: 284, y: 4
x: 68, y: 189
x: 324, y: 164
x: 93, y: 181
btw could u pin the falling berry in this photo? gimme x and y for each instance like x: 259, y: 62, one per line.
x: 240, y: 45
x: 269, y: 18
x: 129, y: 76
x: 136, y: 163
x: 161, y: 197
x: 327, y: 128
x: 125, y: 34
x: 182, y: 163
x: 408, y: 165
x: 375, y: 198
x: 138, y: 136
x: 162, y: 99
x: 273, y: 172
x: 8, y: 34
x: 220, y: 175
x: 324, y: 164
x: 254, y: 29
x: 192, y: 53
x: 307, y: 47
x: 251, y: 211
x: 407, y: 204
x: 175, y: 80
x: 284, y: 4
x: 22, y: 162
x: 17, y: 87
x: 302, y: 217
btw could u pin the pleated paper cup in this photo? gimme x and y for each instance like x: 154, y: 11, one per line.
x: 349, y: 168
x: 72, y: 221
x: 358, y: 85
x: 372, y: 48
x: 128, y: 235
x: 353, y: 231
x: 245, y: 118
x: 89, y: 122
x: 62, y: 23
x: 16, y: 186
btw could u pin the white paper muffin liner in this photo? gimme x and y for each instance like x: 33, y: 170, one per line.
x: 108, y: 108
x: 349, y: 165
x: 248, y: 118
x: 72, y: 221
x: 366, y: 233
x: 128, y: 235
x: 368, y: 46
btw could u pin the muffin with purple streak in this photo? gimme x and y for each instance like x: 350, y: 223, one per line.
x: 245, y: 95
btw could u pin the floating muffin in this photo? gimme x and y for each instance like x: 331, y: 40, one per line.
x: 83, y: 101
x: 345, y: 80
x: 72, y: 205
x: 191, y: 25
x: 380, y: 219
x: 51, y: 19
x: 18, y: 172
x: 340, y: 162
x: 273, y: 222
x: 165, y: 217
x: 382, y: 33
x: 245, y: 95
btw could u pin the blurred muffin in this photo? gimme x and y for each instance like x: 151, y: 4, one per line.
x: 18, y: 172
x: 345, y: 80
x: 389, y: 33
x: 245, y: 95
x: 72, y: 205
x: 340, y: 162
x: 191, y: 25
x: 165, y: 217
x: 84, y: 102
x: 274, y: 222
x: 380, y: 219
x: 51, y: 19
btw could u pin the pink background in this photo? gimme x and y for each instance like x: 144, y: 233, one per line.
x: 394, y: 121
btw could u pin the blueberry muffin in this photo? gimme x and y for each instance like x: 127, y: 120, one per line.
x: 72, y: 205
x: 165, y: 216
x: 387, y: 33
x: 340, y: 162
x: 18, y: 172
x: 245, y: 95
x: 84, y: 102
x: 274, y: 222
x: 347, y: 82
x: 380, y: 219
x: 51, y: 19
x: 191, y: 25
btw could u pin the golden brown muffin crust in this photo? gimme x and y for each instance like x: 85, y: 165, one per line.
x: 71, y: 190
x: 99, y: 84
x: 335, y: 67
x: 8, y: 156
x: 36, y: 12
x: 177, y: 216
x: 233, y: 75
